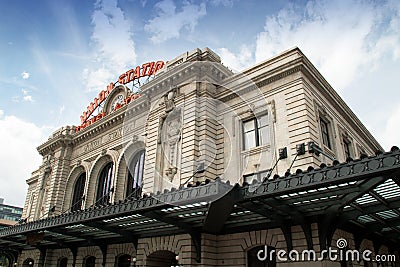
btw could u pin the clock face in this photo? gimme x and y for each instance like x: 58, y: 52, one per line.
x: 119, y: 99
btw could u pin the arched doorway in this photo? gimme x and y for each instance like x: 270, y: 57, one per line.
x: 162, y: 258
x: 28, y: 262
x: 123, y: 261
x: 90, y: 261
x: 4, y: 260
x: 63, y: 262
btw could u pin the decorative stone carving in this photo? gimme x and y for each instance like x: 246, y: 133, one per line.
x: 170, y: 173
x: 169, y: 137
x: 273, y: 109
x: 171, y: 142
x: 169, y: 103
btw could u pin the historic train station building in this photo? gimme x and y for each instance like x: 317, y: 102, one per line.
x: 186, y: 163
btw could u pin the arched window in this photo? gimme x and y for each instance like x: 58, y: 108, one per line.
x: 135, y: 175
x: 104, y: 185
x: 62, y: 262
x: 261, y: 256
x: 123, y: 261
x: 79, y: 190
x: 89, y: 262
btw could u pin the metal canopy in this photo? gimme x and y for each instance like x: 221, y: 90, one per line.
x: 362, y: 196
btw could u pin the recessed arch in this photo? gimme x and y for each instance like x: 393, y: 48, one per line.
x: 89, y: 261
x: 69, y: 189
x: 104, y: 185
x: 93, y: 179
x: 62, y: 262
x: 78, y: 193
x: 121, y: 178
x: 135, y: 170
x: 123, y: 260
x: 162, y: 258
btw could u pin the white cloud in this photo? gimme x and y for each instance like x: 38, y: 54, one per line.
x: 1, y: 113
x: 28, y: 98
x: 115, y: 49
x: 340, y: 38
x: 390, y: 135
x: 61, y: 110
x: 25, y: 97
x: 237, y: 62
x: 18, y: 141
x: 225, y: 3
x: 169, y: 22
x: 25, y: 75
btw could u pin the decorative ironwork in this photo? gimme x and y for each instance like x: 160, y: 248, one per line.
x: 360, y: 195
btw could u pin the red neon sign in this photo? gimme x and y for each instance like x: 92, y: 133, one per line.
x: 147, y: 69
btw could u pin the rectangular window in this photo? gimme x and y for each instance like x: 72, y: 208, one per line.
x: 347, y: 146
x: 325, y: 133
x: 256, y: 132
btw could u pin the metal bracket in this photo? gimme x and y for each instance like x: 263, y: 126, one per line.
x: 196, y: 238
x: 74, y: 251
x: 103, y: 248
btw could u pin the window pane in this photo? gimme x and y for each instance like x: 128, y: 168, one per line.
x: 79, y: 190
x: 248, y: 126
x: 262, y: 120
x: 325, y: 133
x: 346, y: 145
x: 263, y: 134
x: 135, y: 175
x: 249, y: 140
x: 104, y: 185
x: 249, y: 178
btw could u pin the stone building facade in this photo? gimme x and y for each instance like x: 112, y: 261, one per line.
x: 195, y: 122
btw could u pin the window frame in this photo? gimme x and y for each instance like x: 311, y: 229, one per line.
x: 347, y: 148
x: 325, y: 122
x: 257, y: 127
x: 104, y: 184
x: 138, y: 158
x: 76, y: 199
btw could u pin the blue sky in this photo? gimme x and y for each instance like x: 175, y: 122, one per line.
x: 57, y: 55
